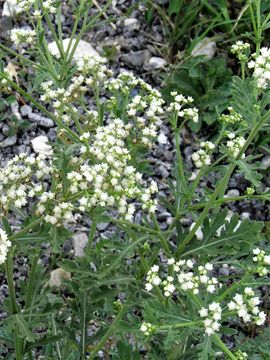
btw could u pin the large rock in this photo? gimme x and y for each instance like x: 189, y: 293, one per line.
x: 40, y: 145
x: 83, y: 48
x: 156, y: 63
x: 10, y: 141
x: 206, y: 47
x: 10, y: 8
x: 58, y: 276
x: 79, y: 242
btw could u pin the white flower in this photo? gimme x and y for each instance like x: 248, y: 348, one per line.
x: 213, y: 314
x: 202, y: 157
x: 171, y: 261
x: 203, y: 312
x: 22, y: 36
x: 261, y: 67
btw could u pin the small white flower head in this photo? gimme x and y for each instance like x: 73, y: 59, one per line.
x: 178, y: 107
x: 152, y: 278
x: 261, y: 67
x: 202, y: 156
x: 232, y: 118
x: 22, y: 36
x: 235, y: 145
x: 239, y: 355
x: 246, y: 307
x: 213, y: 317
x: 262, y: 260
x: 241, y: 50
x: 147, y: 328
x: 171, y: 261
x: 5, y: 244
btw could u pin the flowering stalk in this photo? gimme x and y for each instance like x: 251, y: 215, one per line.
x: 221, y: 186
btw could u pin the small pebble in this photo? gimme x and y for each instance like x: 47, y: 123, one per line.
x: 10, y: 141
x: 157, y: 63
x: 41, y: 120
x: 132, y: 24
x: 232, y: 193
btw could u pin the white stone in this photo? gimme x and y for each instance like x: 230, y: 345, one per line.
x: 162, y: 139
x: 132, y: 23
x: 157, y: 62
x: 57, y: 277
x: 83, y: 48
x: 79, y: 242
x: 205, y: 47
x: 10, y: 8
x: 40, y: 145
x: 198, y: 233
x: 266, y: 161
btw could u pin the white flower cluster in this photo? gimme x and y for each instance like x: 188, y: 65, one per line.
x: 213, y: 317
x: 177, y: 107
x: 262, y: 260
x: 202, y: 157
x: 60, y: 213
x: 91, y: 70
x: 232, y: 118
x: 151, y: 104
x: 20, y: 179
x: 235, y: 145
x: 184, y: 275
x: 169, y: 287
x: 10, y: 74
x: 189, y: 278
x: 25, y: 4
x: 247, y: 308
x: 192, y: 280
x: 147, y: 328
x: 261, y: 66
x: 241, y: 50
x: 112, y: 180
x: 22, y: 36
x: 239, y: 355
x: 5, y: 244
x: 49, y: 6
x: 152, y: 278
x: 144, y: 108
x: 123, y: 83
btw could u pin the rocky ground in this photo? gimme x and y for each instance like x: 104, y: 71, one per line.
x: 130, y: 45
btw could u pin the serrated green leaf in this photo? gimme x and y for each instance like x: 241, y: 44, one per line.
x: 250, y: 171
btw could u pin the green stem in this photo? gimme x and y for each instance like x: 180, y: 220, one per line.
x: 55, y: 37
x: 179, y: 325
x: 180, y: 163
x: 13, y: 302
x: 84, y: 325
x: 91, y: 237
x: 223, y: 347
x: 54, y: 330
x: 111, y: 329
x: 232, y: 288
x: 10, y: 281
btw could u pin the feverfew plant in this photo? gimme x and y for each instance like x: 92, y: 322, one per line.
x: 143, y: 287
